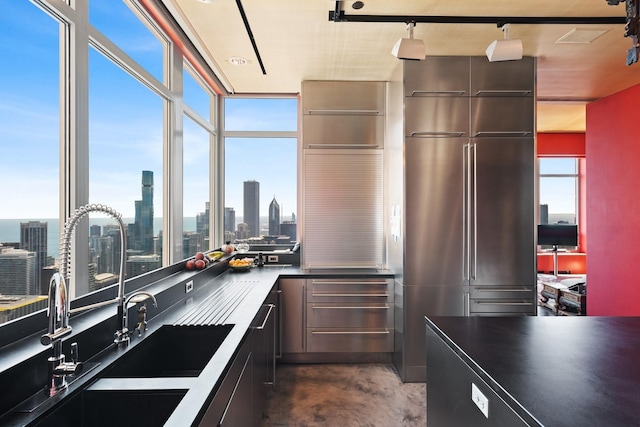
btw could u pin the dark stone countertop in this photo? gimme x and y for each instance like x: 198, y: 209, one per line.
x: 560, y: 371
x: 261, y: 281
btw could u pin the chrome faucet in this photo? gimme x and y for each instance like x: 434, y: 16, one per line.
x: 58, y: 308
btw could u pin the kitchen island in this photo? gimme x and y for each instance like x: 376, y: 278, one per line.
x: 551, y: 371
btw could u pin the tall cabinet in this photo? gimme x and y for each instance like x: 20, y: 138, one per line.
x: 342, y: 139
x: 468, y: 207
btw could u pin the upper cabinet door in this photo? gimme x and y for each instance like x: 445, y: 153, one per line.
x: 493, y: 116
x: 505, y: 78
x: 437, y: 76
x: 343, y: 97
x: 433, y: 116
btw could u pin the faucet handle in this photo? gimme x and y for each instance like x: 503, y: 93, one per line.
x: 74, y: 352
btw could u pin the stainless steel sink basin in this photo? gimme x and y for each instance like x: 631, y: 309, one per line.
x: 171, y: 351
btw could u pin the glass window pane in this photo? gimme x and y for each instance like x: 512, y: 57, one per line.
x: 260, y: 173
x: 195, y: 188
x: 118, y: 23
x: 558, y: 200
x: 243, y: 114
x: 195, y: 96
x: 29, y: 156
x: 558, y: 165
x: 125, y: 169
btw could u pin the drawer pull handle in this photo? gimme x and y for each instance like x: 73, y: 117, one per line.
x: 503, y: 303
x: 385, y: 332
x: 503, y: 290
x: 349, y: 295
x: 328, y: 282
x: 385, y: 307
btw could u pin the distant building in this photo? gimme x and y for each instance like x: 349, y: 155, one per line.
x: 251, y: 215
x: 33, y: 238
x: 544, y: 214
x: 14, y: 306
x: 18, y: 272
x: 140, y: 264
x: 274, y: 217
x: 288, y: 228
x: 202, y: 222
x: 243, y: 231
x: 192, y: 242
x: 142, y: 235
x: 229, y: 219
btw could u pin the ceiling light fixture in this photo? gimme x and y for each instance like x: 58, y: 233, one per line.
x: 506, y: 49
x: 237, y: 60
x: 409, y: 48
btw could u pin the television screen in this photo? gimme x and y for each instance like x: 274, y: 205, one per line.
x: 558, y: 234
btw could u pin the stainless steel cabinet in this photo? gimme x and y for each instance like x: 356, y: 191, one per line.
x: 502, y: 117
x: 234, y: 396
x: 437, y: 76
x: 292, y: 320
x: 264, y: 355
x: 350, y: 315
x: 343, y: 209
x: 347, y: 97
x: 436, y: 116
x: 505, y: 78
x: 343, y: 131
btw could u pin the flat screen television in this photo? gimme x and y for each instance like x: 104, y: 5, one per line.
x: 558, y: 234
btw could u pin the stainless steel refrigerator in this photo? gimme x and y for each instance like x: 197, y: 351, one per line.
x: 469, y: 212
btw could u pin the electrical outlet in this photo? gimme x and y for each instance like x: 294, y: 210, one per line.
x: 188, y: 287
x: 272, y: 258
x: 480, y: 400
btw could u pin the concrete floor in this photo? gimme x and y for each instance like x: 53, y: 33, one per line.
x: 344, y: 395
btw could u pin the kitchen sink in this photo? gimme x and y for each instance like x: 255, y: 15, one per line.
x: 118, y: 407
x: 171, y: 351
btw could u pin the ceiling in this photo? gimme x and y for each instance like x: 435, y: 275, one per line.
x: 297, y: 41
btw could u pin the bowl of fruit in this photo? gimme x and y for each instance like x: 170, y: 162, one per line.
x: 241, y: 264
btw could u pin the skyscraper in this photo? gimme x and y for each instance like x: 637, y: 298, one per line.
x: 142, y: 238
x: 18, y: 272
x: 202, y: 222
x: 274, y: 218
x: 251, y: 215
x: 33, y: 238
x: 229, y: 219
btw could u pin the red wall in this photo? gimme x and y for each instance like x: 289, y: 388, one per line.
x: 613, y: 205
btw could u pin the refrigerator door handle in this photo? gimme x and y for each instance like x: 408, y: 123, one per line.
x: 466, y: 202
x: 474, y: 260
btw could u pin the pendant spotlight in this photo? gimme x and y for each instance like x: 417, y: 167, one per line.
x: 409, y: 48
x: 506, y: 49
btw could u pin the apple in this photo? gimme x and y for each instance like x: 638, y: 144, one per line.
x: 199, y: 255
x: 190, y: 265
x: 200, y: 264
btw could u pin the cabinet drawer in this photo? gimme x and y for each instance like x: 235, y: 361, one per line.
x: 349, y: 315
x: 334, y: 340
x: 343, y: 131
x: 349, y: 290
x: 498, y: 292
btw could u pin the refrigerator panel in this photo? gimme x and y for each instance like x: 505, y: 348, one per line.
x: 423, y: 301
x: 434, y: 210
x: 503, y: 229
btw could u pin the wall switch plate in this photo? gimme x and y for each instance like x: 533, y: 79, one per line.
x: 188, y: 287
x: 272, y: 258
x: 480, y: 400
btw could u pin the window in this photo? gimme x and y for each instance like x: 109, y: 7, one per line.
x: 260, y: 170
x: 558, y: 190
x: 125, y: 171
x: 195, y: 188
x: 29, y: 156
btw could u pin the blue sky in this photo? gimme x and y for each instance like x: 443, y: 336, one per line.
x: 125, y: 123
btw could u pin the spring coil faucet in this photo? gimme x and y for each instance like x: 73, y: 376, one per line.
x: 59, y: 310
